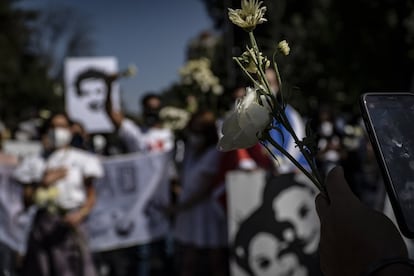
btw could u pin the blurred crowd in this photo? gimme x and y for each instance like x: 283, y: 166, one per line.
x: 198, y: 243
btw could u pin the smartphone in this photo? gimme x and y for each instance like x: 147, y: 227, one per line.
x: 389, y: 120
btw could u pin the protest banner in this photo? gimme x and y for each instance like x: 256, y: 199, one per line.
x: 86, y: 91
x: 128, y: 210
x: 22, y: 149
x: 14, y: 222
x: 273, y: 226
x: 130, y: 201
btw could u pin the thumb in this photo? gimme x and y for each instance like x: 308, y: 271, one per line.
x: 337, y: 186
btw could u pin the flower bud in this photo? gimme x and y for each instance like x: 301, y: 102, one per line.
x: 283, y: 46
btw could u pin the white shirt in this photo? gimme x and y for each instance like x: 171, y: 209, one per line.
x: 30, y: 170
x: 158, y: 140
x: 153, y: 140
x: 80, y: 165
x: 131, y: 135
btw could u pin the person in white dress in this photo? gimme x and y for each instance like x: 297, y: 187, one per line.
x: 199, y: 228
x: 64, y: 194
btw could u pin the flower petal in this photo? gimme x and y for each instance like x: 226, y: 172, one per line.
x: 235, y: 137
x: 243, y: 126
x: 230, y: 124
x: 237, y: 141
x: 255, y: 116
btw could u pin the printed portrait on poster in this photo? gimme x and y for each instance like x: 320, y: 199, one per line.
x: 86, y: 88
x: 277, y: 233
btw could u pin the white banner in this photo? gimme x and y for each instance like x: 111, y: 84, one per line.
x: 86, y: 90
x: 22, y: 149
x: 14, y: 223
x: 130, y: 199
x: 128, y: 208
x: 273, y: 225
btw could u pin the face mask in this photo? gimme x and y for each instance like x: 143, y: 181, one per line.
x: 99, y: 143
x: 60, y: 137
x: 326, y: 129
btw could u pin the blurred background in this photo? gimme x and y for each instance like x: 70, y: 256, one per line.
x: 339, y: 49
x: 183, y: 52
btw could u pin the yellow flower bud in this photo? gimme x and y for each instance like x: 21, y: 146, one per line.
x: 283, y: 46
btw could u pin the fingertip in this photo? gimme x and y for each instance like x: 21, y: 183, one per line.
x: 337, y: 186
x: 336, y: 172
x: 334, y: 179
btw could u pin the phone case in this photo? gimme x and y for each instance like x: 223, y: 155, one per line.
x: 391, y: 190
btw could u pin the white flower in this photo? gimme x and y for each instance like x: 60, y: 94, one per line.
x: 283, y: 46
x: 249, y: 15
x: 174, y: 118
x: 44, y: 196
x: 243, y: 127
x: 198, y: 72
x: 131, y: 71
x: 217, y: 89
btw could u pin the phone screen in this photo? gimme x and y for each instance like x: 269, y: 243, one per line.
x: 392, y: 120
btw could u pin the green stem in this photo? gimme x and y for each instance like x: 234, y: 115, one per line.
x: 302, y: 149
x: 314, y: 176
x: 245, y: 71
x: 294, y: 161
x: 259, y: 66
x: 279, y: 79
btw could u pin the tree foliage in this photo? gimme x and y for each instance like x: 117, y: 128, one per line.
x: 54, y: 37
x: 24, y: 84
x: 340, y: 49
x: 33, y: 46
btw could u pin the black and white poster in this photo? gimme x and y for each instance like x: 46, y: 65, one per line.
x: 273, y: 225
x: 86, y: 89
